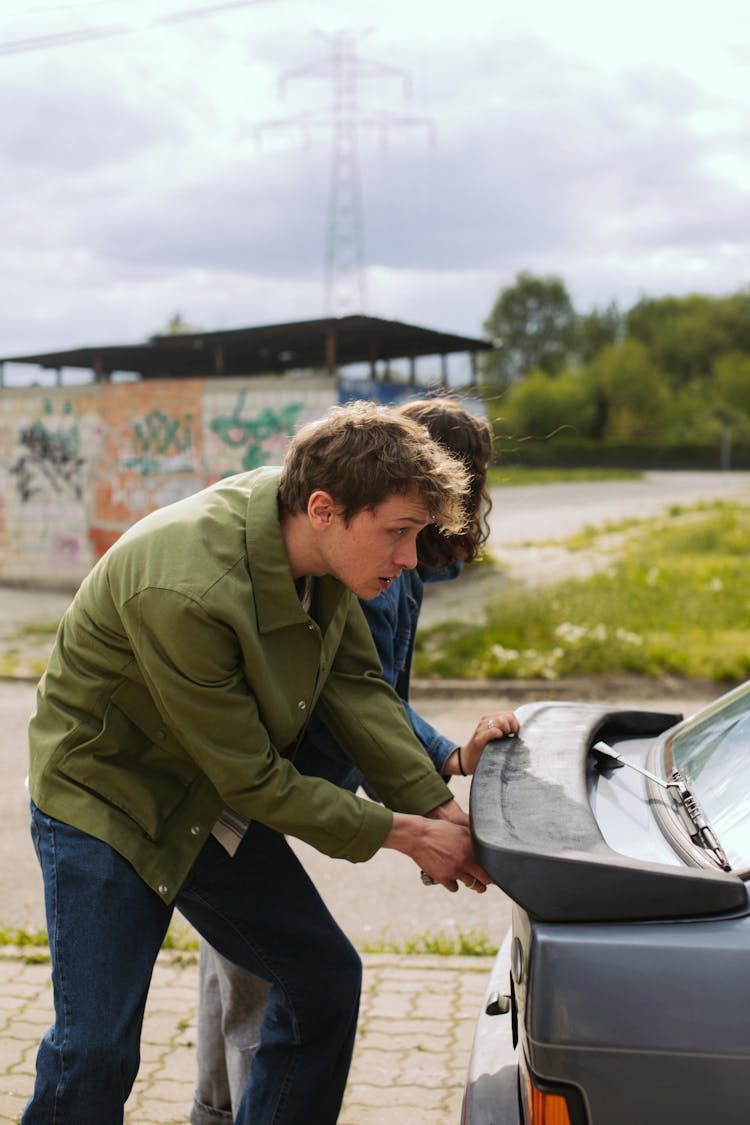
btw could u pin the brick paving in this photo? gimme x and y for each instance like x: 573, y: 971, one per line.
x: 410, y: 1059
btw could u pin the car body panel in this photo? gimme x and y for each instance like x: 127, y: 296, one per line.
x: 492, y: 1086
x: 637, y: 1016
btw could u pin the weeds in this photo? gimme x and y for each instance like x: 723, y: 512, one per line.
x: 39, y: 629
x: 184, y: 942
x: 179, y: 939
x: 472, y: 943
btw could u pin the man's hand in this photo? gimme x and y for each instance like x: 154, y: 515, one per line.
x: 451, y: 811
x: 440, y: 845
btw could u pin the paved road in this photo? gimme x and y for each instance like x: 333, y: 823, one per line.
x: 539, y: 512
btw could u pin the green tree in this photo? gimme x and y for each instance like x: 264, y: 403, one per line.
x: 598, y: 329
x: 630, y: 396
x: 686, y: 335
x: 178, y: 326
x: 533, y: 323
x: 542, y: 405
x: 732, y: 381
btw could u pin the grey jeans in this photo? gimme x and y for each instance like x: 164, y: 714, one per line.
x: 231, y: 1005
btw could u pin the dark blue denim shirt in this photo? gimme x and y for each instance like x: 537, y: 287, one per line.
x: 393, y: 618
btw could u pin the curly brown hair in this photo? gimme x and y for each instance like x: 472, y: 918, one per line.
x: 362, y: 453
x: 466, y: 435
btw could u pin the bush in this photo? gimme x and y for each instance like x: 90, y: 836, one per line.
x: 570, y: 453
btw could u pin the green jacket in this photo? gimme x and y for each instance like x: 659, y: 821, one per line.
x: 181, y: 682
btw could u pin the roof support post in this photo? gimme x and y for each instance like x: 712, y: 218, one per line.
x: 218, y: 358
x: 331, y: 349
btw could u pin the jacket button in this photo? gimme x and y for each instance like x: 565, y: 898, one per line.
x: 195, y: 830
x: 163, y: 888
x: 302, y: 705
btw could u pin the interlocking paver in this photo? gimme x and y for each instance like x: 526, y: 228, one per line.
x: 410, y: 1057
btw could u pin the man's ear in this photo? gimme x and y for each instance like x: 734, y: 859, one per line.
x: 321, y: 508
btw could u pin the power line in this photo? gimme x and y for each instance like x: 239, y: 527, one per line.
x: 88, y: 34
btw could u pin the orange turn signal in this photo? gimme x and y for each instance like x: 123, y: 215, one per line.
x: 540, y: 1106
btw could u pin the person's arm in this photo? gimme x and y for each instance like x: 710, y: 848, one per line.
x: 441, y: 845
x: 192, y: 668
x: 367, y: 719
x: 392, y: 619
x: 495, y: 724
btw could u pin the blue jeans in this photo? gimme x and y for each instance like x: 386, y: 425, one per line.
x: 258, y: 908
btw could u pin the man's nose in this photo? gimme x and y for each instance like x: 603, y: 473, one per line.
x: 405, y: 555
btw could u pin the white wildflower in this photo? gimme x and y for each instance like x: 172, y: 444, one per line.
x: 628, y: 638
x: 570, y: 634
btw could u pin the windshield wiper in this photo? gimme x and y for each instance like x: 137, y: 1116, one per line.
x: 693, y: 818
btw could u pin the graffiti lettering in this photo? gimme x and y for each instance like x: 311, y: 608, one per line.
x: 250, y: 433
x: 159, y: 443
x: 50, y: 460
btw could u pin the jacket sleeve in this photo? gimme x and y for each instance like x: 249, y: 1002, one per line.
x: 191, y: 667
x: 366, y: 715
x: 384, y: 622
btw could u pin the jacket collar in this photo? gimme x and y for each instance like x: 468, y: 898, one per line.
x: 277, y: 603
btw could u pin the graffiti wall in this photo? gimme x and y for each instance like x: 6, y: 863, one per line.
x: 80, y: 464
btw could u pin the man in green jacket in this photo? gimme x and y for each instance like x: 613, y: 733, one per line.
x: 162, y: 759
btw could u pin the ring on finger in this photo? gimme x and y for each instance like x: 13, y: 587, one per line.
x: 490, y: 724
x: 473, y: 883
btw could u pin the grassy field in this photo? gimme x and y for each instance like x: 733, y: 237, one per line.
x: 676, y: 601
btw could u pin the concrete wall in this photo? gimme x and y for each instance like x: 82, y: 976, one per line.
x: 79, y: 464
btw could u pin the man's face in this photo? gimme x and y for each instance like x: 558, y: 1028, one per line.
x: 369, y: 552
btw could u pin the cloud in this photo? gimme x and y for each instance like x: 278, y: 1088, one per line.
x: 133, y: 185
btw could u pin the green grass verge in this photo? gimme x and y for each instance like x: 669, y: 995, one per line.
x: 501, y: 476
x: 472, y: 943
x: 181, y: 939
x: 676, y: 601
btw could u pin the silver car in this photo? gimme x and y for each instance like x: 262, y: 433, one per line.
x: 621, y: 995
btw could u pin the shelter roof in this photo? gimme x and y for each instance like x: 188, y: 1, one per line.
x: 329, y: 343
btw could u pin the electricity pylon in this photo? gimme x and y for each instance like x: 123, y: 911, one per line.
x: 345, y: 277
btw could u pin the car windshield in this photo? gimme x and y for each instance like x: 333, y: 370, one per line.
x: 712, y: 752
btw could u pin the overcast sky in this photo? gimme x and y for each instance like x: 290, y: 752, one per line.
x: 606, y: 144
